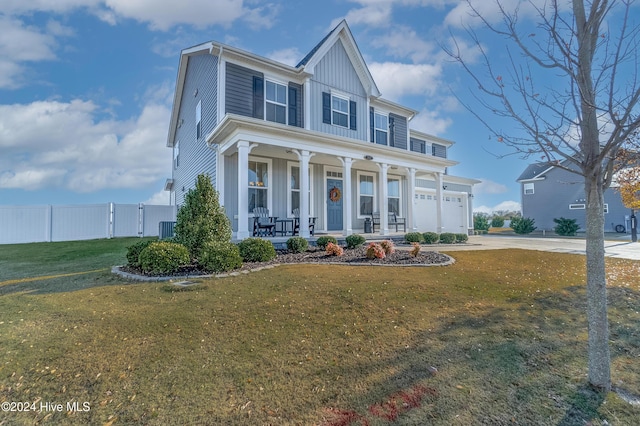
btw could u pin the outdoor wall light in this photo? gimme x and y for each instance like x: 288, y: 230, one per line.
x: 368, y: 157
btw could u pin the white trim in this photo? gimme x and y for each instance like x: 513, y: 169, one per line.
x: 577, y: 206
x: 269, y: 186
x: 375, y: 198
x: 528, y: 188
x: 348, y: 113
x: 199, y: 133
x: 376, y: 128
x: 286, y: 99
x: 291, y: 164
x: 176, y: 155
x: 400, y: 192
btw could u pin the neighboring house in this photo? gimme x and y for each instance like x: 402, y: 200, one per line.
x: 550, y: 192
x: 264, y: 131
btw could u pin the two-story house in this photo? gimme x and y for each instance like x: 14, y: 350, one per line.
x: 549, y: 192
x: 317, y: 138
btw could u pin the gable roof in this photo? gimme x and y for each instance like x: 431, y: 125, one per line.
x: 343, y: 33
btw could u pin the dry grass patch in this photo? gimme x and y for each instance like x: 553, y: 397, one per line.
x: 330, y: 345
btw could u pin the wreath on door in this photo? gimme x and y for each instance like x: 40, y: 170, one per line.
x: 335, y: 195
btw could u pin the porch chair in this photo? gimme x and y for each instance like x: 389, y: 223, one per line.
x: 263, y: 224
x: 296, y: 222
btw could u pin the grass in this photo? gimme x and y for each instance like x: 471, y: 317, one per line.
x: 497, y: 338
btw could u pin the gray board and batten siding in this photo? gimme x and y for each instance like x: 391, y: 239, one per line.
x: 335, y: 74
x: 195, y: 157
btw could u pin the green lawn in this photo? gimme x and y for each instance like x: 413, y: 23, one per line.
x: 497, y: 338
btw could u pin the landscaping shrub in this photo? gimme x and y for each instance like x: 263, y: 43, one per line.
x: 447, y: 238
x: 415, y: 250
x: 133, y: 253
x: 161, y: 257
x: 481, y: 222
x: 256, y: 250
x: 334, y: 249
x: 201, y: 219
x: 522, y: 225
x: 324, y: 240
x: 462, y: 238
x: 497, y: 222
x: 566, y: 227
x: 297, y: 244
x: 220, y: 256
x: 388, y: 247
x: 430, y: 237
x: 375, y: 251
x: 413, y: 237
x: 354, y: 241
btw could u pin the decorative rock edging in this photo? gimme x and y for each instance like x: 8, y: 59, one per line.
x: 117, y: 270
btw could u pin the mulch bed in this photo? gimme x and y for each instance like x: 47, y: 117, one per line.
x: 355, y: 256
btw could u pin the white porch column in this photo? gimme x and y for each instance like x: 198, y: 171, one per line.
x: 439, y: 190
x: 411, y: 204
x: 347, y: 204
x: 304, y: 157
x: 243, y: 190
x: 220, y: 175
x: 383, y: 194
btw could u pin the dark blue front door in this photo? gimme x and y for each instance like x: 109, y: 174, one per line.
x: 334, y: 205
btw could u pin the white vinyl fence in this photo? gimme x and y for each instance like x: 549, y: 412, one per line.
x: 27, y: 224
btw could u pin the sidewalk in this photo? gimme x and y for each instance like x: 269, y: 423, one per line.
x: 619, y: 247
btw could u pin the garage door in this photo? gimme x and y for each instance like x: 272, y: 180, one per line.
x: 454, y: 216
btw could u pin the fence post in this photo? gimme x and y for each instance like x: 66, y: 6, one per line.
x: 140, y: 220
x: 110, y: 228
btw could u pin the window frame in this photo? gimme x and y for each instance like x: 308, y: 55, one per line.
x: 528, y: 188
x: 334, y: 111
x: 359, y: 174
x: 290, y: 166
x: 267, y: 188
x: 377, y: 129
x: 176, y: 155
x: 577, y: 206
x: 199, y: 120
x: 398, y: 197
x: 285, y: 105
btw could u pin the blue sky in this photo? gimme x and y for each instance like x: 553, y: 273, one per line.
x: 86, y: 85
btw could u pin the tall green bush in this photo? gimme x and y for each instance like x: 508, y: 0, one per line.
x: 201, y: 219
x: 566, y: 227
x: 497, y: 222
x: 481, y: 221
x: 523, y: 225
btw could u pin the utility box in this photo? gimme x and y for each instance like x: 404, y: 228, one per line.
x: 166, y: 230
x: 367, y: 225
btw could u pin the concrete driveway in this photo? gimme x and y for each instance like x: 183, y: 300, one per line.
x: 615, y: 246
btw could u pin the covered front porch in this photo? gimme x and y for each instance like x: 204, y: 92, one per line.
x: 268, y: 165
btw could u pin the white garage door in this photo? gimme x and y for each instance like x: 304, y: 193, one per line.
x: 454, y: 216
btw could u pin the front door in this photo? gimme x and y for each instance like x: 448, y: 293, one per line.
x: 334, y: 204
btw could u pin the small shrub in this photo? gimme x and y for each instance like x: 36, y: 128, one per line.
x: 375, y: 251
x: 413, y: 237
x: 522, y: 225
x: 481, y: 222
x: 133, y: 253
x: 334, y: 249
x: 566, y: 227
x: 324, y: 240
x: 220, y: 256
x: 462, y: 238
x: 256, y: 250
x: 161, y: 257
x: 354, y: 241
x: 430, y: 237
x: 497, y: 222
x: 415, y: 250
x: 388, y: 247
x: 297, y: 244
x: 447, y: 238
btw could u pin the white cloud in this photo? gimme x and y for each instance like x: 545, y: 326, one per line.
x: 20, y: 43
x: 160, y: 198
x: 52, y: 144
x: 503, y: 206
x: 290, y: 56
x: 430, y: 122
x: 403, y: 42
x: 395, y: 79
x: 463, y: 16
x: 489, y: 187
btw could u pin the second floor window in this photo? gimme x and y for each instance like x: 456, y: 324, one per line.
x: 381, y: 128
x: 276, y: 102
x: 340, y: 111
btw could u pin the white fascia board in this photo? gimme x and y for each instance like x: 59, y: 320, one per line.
x: 262, y: 64
x: 531, y: 180
x: 235, y: 128
x: 460, y: 180
x: 393, y: 107
x: 430, y: 138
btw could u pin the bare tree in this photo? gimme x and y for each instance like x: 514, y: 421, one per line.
x: 574, y: 111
